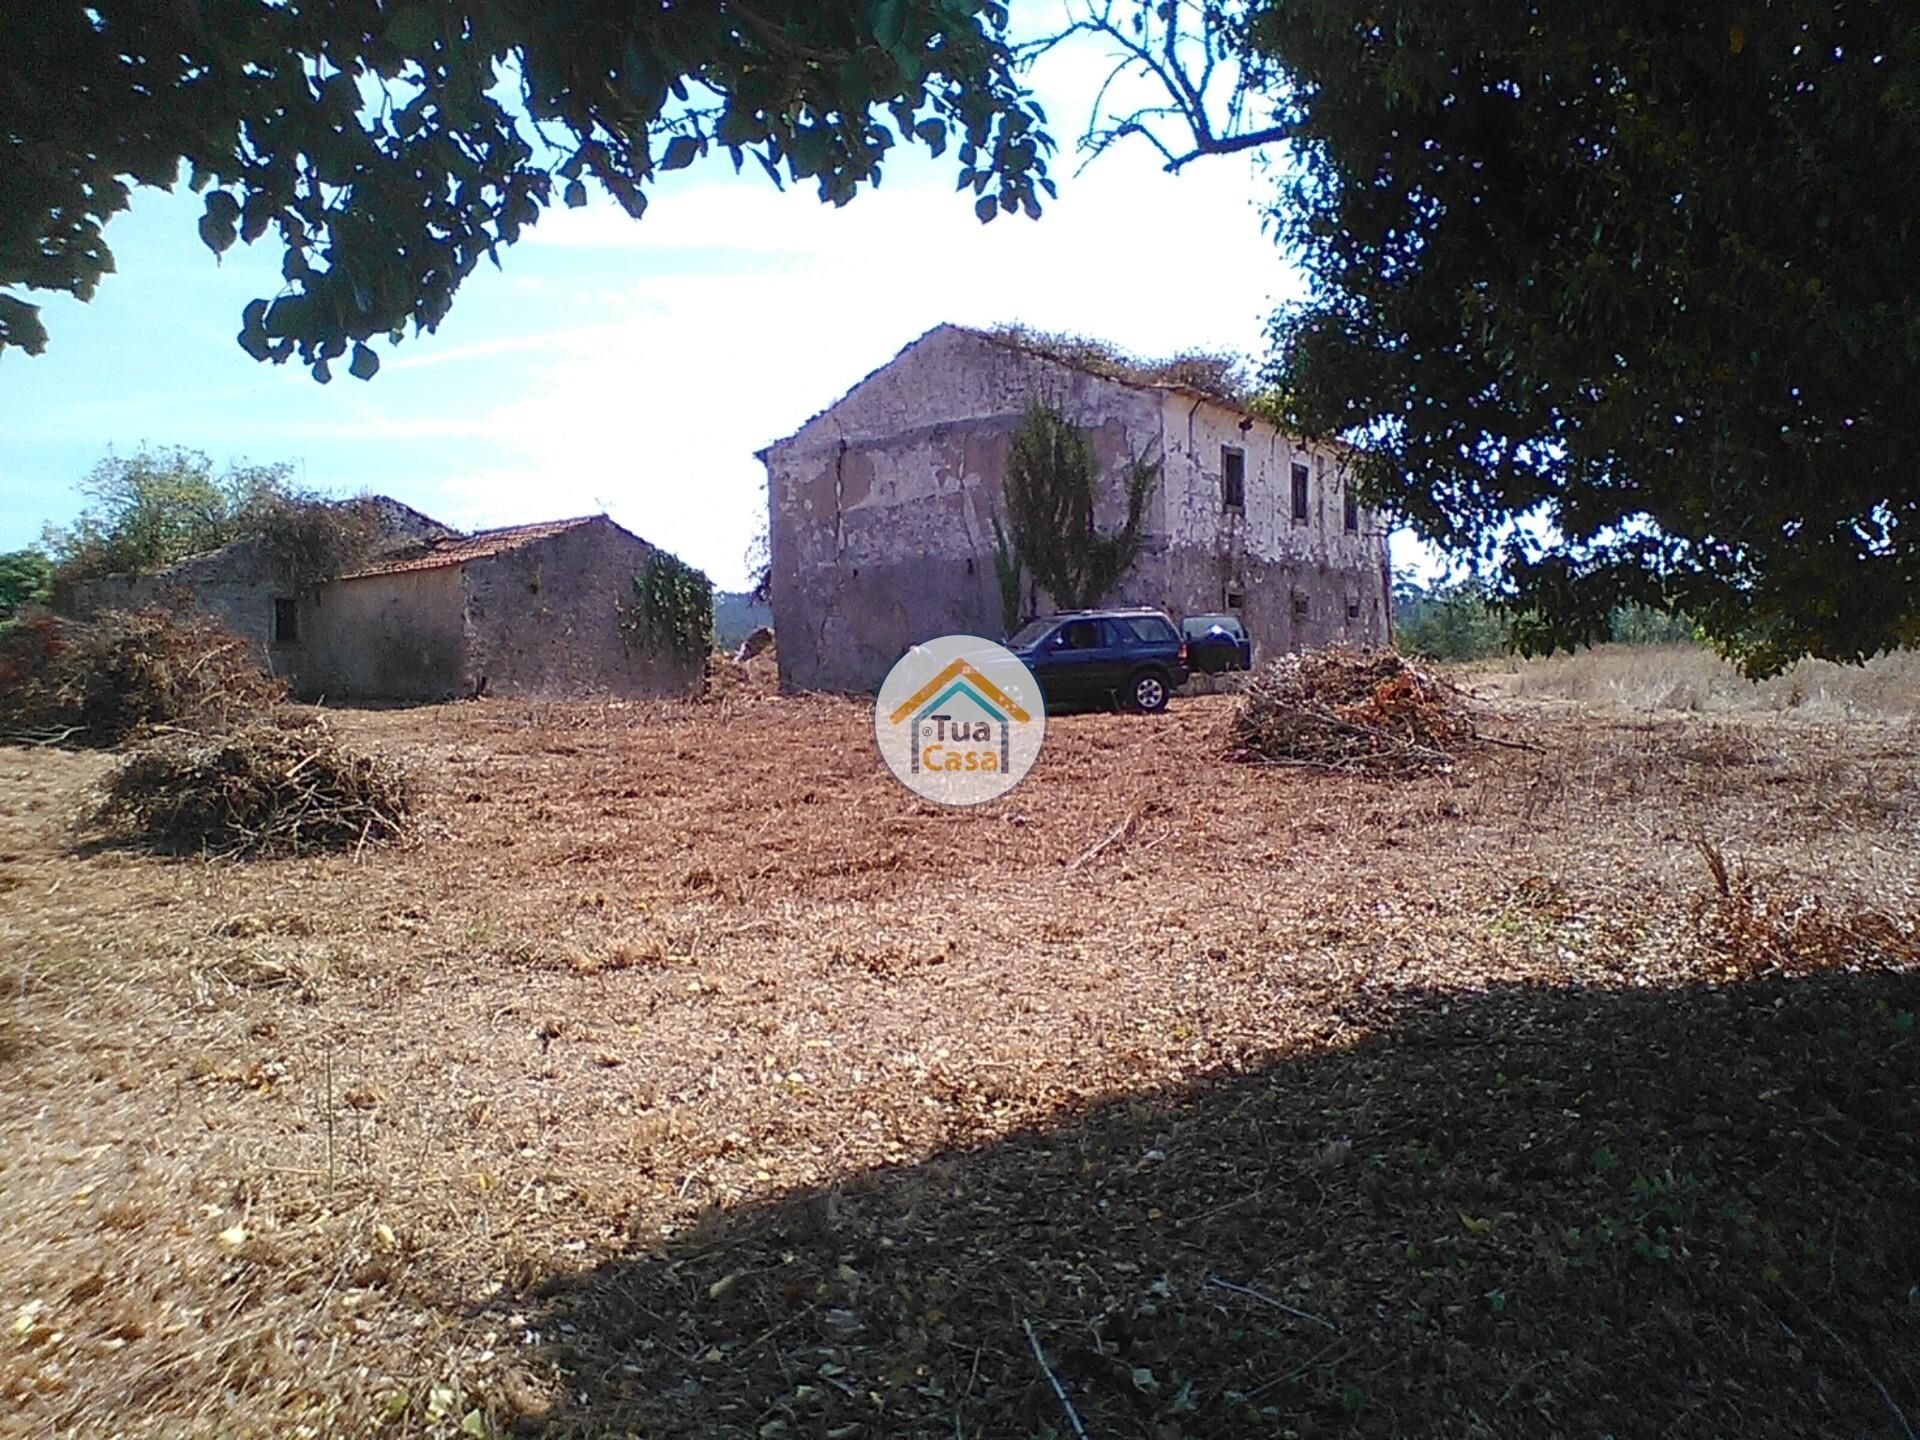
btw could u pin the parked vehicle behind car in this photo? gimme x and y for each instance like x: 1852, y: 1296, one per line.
x: 1216, y: 643
x: 1129, y: 657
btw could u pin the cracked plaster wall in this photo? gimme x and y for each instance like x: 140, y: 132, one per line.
x: 881, y: 512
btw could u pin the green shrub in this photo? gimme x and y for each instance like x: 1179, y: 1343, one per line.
x: 672, y: 607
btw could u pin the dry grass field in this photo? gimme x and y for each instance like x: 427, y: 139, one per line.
x: 686, y: 1076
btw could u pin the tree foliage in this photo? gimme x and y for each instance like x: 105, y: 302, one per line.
x: 390, y: 145
x: 1462, y: 619
x: 1052, y: 487
x: 155, y: 507
x: 1448, y: 621
x: 159, y: 506
x: 26, y: 578
x: 1620, y: 297
x: 1006, y: 578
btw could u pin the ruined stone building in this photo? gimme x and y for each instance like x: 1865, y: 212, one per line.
x: 430, y: 613
x: 882, y: 508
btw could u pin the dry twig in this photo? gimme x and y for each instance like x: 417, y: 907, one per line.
x: 1059, y: 1390
x: 1280, y: 1305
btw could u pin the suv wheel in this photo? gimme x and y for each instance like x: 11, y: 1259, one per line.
x: 1147, y: 692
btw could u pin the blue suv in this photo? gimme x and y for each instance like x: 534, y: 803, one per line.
x: 1134, y: 657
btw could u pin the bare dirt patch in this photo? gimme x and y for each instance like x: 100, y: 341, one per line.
x: 685, y: 1075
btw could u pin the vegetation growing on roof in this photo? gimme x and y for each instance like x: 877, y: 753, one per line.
x: 311, y: 541
x: 157, y: 507
x: 1214, y: 373
x: 672, y: 607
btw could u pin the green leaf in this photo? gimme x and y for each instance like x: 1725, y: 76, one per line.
x: 253, y: 333
x: 217, y: 234
x: 682, y: 150
x: 986, y: 207
x: 576, y: 194
x: 365, y: 364
x: 20, y: 325
x: 257, y: 213
x: 889, y: 22
x: 412, y: 29
x: 410, y: 117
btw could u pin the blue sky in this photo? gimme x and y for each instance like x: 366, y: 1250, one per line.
x: 634, y: 366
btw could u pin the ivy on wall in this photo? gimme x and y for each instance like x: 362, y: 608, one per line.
x: 672, y: 607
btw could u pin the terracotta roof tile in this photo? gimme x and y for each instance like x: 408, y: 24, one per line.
x: 477, y: 546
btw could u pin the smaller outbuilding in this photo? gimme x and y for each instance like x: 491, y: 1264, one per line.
x: 547, y: 609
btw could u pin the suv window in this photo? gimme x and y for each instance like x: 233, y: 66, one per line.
x: 1198, y: 625
x: 1080, y: 635
x: 1150, y: 628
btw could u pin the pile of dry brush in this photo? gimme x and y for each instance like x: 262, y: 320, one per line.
x: 100, y: 682
x: 1354, y: 710
x: 731, y: 678
x: 1753, y: 933
x: 261, y: 789
x: 209, y: 767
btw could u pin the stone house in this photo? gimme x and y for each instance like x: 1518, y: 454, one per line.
x: 433, y: 614
x: 881, y: 510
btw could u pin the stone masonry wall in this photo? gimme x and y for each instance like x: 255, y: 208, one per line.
x: 381, y: 637
x: 881, y: 513
x: 236, y: 585
x: 1277, y: 565
x: 882, y: 508
x: 545, y: 619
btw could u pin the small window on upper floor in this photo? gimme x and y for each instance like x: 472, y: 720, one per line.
x: 1299, y: 493
x: 1353, y: 605
x: 1233, y: 478
x: 286, y: 622
x: 1302, y: 606
x: 1236, y: 600
x: 1352, y: 510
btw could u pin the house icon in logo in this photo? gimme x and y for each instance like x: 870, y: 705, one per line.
x: 959, y: 720
x: 936, y: 701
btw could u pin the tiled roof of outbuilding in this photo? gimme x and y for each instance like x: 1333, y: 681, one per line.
x: 477, y: 546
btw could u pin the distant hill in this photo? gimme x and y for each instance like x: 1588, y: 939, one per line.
x: 735, y: 615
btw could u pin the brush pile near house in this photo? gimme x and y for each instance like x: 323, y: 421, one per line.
x: 264, y: 788
x: 1350, y: 710
x: 211, y: 763
x: 96, y: 684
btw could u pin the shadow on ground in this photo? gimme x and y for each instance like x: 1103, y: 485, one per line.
x: 1523, y: 1212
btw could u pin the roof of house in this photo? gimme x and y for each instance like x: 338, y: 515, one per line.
x: 477, y: 546
x: 1212, y: 378
x: 1089, y: 356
